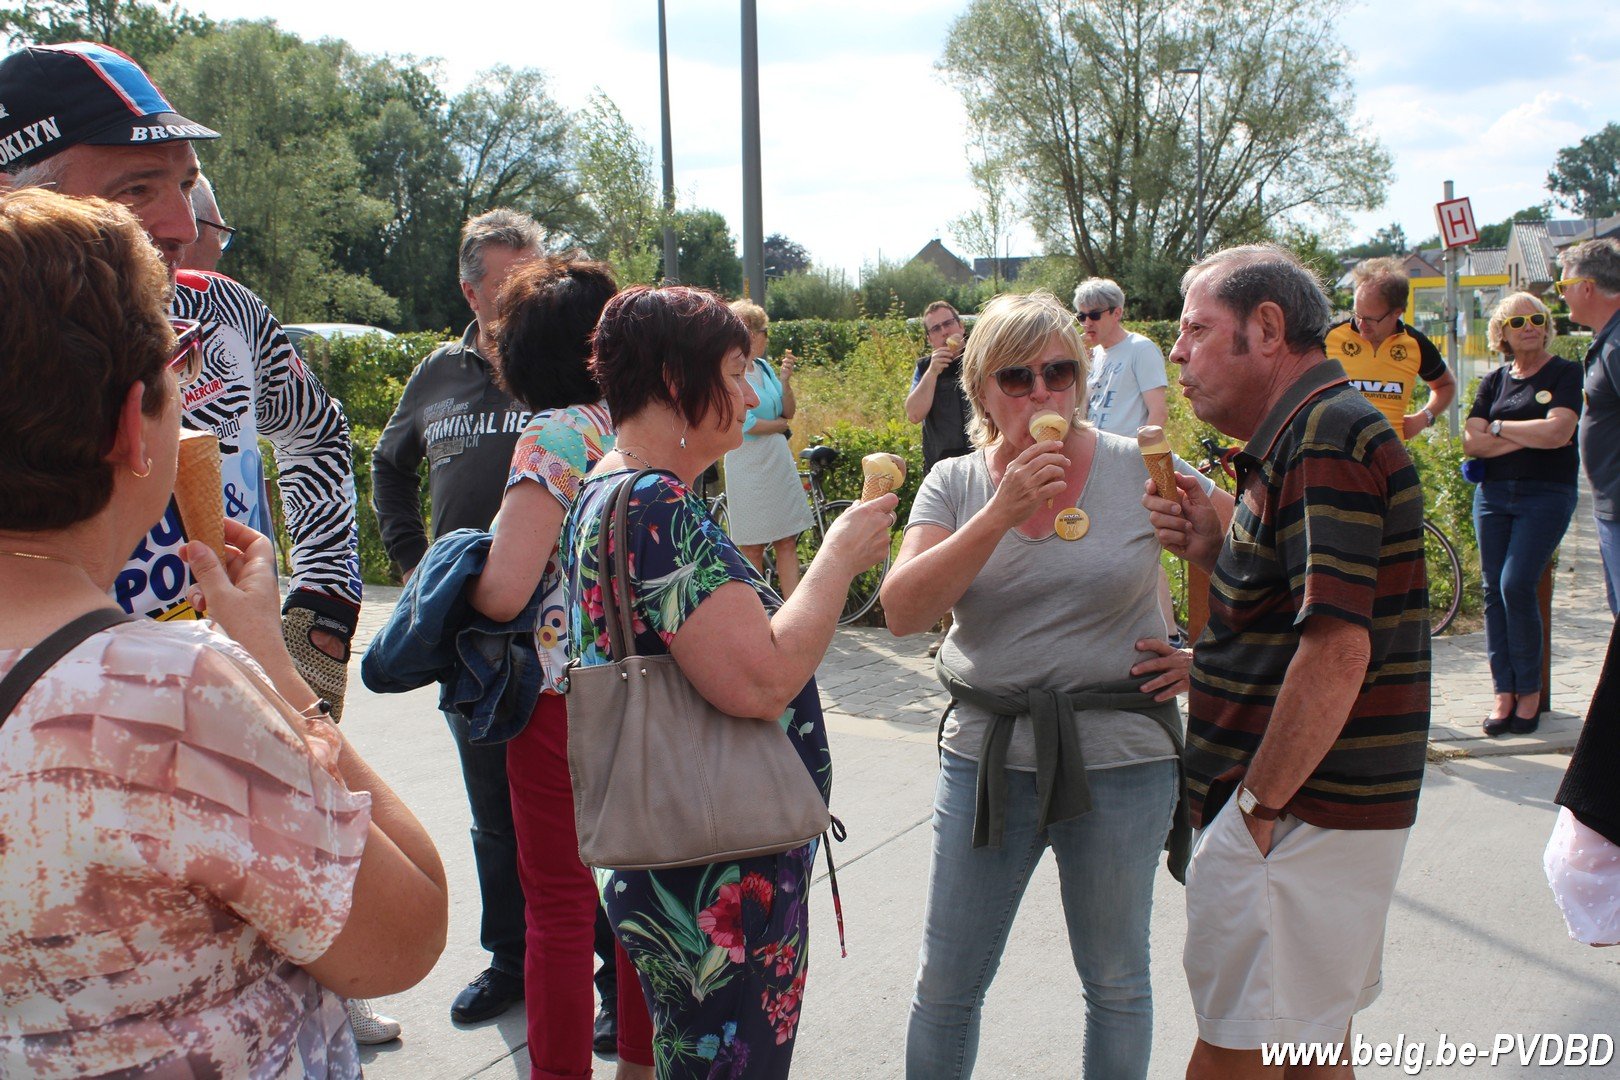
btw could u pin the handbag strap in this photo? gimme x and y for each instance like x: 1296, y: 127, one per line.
x: 616, y: 516
x: 38, y: 660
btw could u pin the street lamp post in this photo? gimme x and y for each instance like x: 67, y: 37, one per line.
x: 753, y: 222
x: 1198, y: 204
x: 672, y: 250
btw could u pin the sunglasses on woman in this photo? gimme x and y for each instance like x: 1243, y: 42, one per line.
x: 1517, y: 322
x: 186, y: 361
x: 1019, y: 381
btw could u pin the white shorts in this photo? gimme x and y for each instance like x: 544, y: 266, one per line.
x: 1286, y: 948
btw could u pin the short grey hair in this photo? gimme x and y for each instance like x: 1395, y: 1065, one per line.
x: 1596, y: 259
x: 40, y: 174
x: 500, y: 228
x: 1246, y: 277
x: 1098, y: 292
x: 202, y: 201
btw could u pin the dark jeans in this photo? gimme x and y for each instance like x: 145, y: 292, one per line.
x: 1519, y: 524
x: 483, y: 769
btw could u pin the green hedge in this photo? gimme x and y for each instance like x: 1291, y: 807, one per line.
x: 830, y: 341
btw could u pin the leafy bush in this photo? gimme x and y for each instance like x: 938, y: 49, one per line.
x: 905, y: 289
x: 811, y: 294
x: 1572, y: 347
x: 831, y: 341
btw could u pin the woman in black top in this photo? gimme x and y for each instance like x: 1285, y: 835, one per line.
x: 1522, y: 427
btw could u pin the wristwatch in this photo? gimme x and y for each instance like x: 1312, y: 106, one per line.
x: 1496, y: 428
x: 1427, y: 415
x: 1251, y: 807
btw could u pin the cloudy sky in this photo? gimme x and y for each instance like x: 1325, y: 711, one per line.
x: 862, y: 138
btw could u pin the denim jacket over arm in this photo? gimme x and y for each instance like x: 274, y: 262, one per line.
x: 489, y: 672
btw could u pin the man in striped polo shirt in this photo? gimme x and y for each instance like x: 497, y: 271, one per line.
x: 1309, y: 710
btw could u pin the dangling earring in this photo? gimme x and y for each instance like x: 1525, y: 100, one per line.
x: 142, y: 475
x: 684, y: 430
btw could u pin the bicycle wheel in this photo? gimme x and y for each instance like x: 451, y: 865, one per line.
x: 863, y: 591
x: 719, y: 513
x: 1445, y: 577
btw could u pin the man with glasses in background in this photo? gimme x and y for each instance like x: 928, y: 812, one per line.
x: 936, y: 400
x: 1127, y: 386
x: 213, y: 235
x: 1383, y: 356
x: 1591, y: 288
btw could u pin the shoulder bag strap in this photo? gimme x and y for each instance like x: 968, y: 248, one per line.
x: 38, y: 660
x: 616, y: 517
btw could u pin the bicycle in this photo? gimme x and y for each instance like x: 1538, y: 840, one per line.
x: 1439, y: 553
x: 863, y: 591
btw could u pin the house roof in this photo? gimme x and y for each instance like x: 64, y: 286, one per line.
x: 1483, y: 261
x: 1530, y: 239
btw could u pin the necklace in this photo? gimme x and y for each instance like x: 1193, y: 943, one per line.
x: 629, y: 453
x: 41, y: 558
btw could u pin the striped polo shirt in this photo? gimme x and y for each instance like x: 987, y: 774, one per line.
x: 1328, y: 522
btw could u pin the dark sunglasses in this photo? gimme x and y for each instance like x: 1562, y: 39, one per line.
x: 1088, y: 316
x: 1019, y: 381
x: 227, y: 234
x: 1517, y: 322
x: 186, y: 361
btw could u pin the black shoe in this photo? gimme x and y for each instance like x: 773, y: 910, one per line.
x: 486, y: 997
x: 1524, y: 725
x: 1497, y: 725
x: 605, y: 1032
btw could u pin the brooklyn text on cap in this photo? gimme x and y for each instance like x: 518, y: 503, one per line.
x: 56, y: 96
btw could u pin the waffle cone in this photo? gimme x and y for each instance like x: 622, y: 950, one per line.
x: 875, y: 486
x: 1049, y: 433
x: 1163, y: 471
x: 197, y: 491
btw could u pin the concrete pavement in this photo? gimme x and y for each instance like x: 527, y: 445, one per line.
x: 1475, y: 945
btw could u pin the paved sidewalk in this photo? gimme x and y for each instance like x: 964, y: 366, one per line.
x: 1475, y: 944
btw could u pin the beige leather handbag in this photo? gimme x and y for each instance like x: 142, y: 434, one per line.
x: 661, y: 777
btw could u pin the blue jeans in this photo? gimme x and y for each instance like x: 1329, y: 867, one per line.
x: 1608, y: 533
x: 483, y: 770
x: 1106, y: 863
x: 1519, y: 524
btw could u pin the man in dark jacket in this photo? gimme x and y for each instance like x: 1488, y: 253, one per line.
x: 936, y: 400
x: 453, y: 415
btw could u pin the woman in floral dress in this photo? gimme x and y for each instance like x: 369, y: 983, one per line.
x: 720, y: 949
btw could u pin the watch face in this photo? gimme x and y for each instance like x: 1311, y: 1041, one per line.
x: 1246, y: 800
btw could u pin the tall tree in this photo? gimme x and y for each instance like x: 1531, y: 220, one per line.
x: 1389, y: 240
x: 1586, y: 176
x: 985, y: 229
x: 285, y: 170
x: 784, y: 256
x: 512, y: 139
x: 616, y: 178
x: 708, y: 251
x: 1084, y: 97
x: 143, y: 30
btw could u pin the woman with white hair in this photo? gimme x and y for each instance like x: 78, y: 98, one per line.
x: 1522, y: 428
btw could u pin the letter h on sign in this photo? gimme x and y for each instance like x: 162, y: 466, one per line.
x: 1456, y: 218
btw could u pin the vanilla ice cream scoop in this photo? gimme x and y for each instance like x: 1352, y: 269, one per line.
x: 883, y: 473
x: 1049, y: 427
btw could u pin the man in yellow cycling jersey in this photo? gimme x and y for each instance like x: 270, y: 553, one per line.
x: 1383, y: 356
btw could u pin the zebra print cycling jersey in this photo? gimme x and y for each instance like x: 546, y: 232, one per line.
x: 254, y: 384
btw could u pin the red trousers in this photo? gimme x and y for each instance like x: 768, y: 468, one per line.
x: 561, y: 900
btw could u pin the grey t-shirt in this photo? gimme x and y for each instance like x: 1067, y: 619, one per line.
x: 1118, y: 377
x: 1054, y: 613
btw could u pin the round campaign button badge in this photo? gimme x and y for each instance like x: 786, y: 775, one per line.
x: 1071, y: 524
x: 1543, y: 397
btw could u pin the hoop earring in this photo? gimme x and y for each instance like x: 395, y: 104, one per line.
x: 142, y: 475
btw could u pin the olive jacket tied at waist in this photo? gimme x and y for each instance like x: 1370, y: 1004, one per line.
x: 1061, y: 789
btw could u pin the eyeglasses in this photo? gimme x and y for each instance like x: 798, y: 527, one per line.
x: 227, y: 234
x: 1019, y: 381
x: 1360, y: 318
x: 937, y: 327
x: 1088, y: 316
x: 186, y: 361
x: 1567, y: 282
x: 1517, y: 322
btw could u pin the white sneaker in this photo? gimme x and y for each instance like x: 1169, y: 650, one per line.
x: 369, y: 1028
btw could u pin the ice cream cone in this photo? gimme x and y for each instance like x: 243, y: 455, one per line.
x: 883, y: 473
x: 198, y: 490
x: 1048, y: 427
x: 953, y: 342
x: 1160, y: 461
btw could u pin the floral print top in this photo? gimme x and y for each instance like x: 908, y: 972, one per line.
x: 556, y: 450
x: 678, y: 558
x: 174, y: 848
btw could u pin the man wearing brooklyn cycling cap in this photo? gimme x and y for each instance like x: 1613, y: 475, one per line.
x: 53, y: 97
